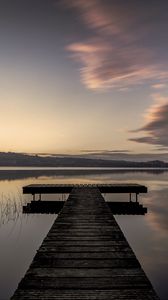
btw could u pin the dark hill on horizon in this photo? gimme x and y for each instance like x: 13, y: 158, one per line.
x: 13, y: 159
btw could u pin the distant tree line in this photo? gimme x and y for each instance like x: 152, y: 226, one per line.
x: 21, y: 159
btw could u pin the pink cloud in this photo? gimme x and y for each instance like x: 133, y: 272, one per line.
x: 114, y: 57
x: 159, y: 86
x: 95, y: 15
x: 106, y: 66
x: 156, y: 127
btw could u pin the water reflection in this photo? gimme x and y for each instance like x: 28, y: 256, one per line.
x: 54, y: 207
x: 158, y: 200
x: 26, y: 173
x: 20, y: 237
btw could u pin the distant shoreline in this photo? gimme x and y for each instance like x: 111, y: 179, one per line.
x: 18, y: 160
x: 6, y: 168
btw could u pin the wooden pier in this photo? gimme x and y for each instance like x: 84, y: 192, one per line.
x: 67, y: 188
x: 85, y: 256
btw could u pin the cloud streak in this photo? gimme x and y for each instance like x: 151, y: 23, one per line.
x: 115, y: 54
x: 156, y: 127
x: 95, y: 15
x: 120, y: 151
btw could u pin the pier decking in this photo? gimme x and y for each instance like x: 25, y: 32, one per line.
x: 67, y: 188
x: 85, y: 256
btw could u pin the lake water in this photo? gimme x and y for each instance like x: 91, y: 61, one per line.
x: 21, y: 235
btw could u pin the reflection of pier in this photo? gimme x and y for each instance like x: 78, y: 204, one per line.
x: 54, y: 207
x: 85, y: 256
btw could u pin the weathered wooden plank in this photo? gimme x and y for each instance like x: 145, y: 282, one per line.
x: 47, y: 246
x: 76, y: 272
x: 88, y: 234
x: 86, y: 238
x: 114, y: 282
x: 84, y: 255
x: 46, y: 260
x: 87, y: 226
x: 97, y: 294
x: 96, y: 243
x: 101, y: 230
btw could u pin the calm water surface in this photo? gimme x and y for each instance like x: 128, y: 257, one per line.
x: 21, y: 235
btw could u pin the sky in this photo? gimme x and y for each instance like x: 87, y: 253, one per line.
x: 84, y: 76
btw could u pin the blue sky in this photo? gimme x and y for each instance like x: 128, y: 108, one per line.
x: 84, y: 75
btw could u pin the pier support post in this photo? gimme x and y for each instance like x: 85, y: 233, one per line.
x: 130, y: 197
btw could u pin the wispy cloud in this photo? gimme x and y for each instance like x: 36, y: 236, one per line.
x: 156, y: 127
x: 124, y: 155
x: 106, y: 151
x: 159, y: 86
x: 106, y: 66
x: 115, y: 55
x: 95, y: 15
